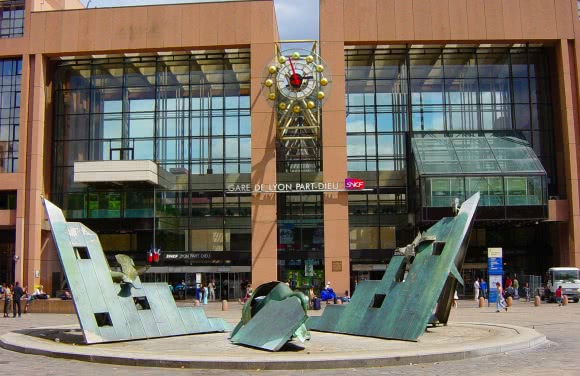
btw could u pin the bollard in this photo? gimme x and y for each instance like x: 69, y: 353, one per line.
x: 196, y: 303
x: 509, y: 301
x: 565, y: 300
x: 481, y: 302
x: 224, y: 305
x: 537, y: 301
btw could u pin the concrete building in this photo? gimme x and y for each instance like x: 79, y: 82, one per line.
x: 148, y: 124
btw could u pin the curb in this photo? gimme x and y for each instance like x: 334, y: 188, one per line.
x: 525, y: 338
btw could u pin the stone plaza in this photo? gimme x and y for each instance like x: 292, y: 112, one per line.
x: 525, y: 340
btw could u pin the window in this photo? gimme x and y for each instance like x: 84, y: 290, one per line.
x: 188, y: 112
x: 10, y: 76
x: 12, y: 18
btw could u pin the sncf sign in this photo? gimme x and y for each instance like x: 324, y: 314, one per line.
x: 352, y: 184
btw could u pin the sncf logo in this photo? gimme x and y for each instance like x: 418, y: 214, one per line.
x: 353, y: 184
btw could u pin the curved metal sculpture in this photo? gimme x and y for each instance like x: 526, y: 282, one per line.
x: 417, y: 287
x: 128, y: 274
x: 116, y: 306
x: 272, y: 316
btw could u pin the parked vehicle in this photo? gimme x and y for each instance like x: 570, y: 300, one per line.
x: 568, y: 278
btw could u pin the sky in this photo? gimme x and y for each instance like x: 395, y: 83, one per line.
x: 297, y: 19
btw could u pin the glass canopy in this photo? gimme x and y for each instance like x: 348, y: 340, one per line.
x: 485, y: 153
x: 501, y: 166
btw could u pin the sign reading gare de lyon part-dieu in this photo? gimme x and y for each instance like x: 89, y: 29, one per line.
x: 349, y: 184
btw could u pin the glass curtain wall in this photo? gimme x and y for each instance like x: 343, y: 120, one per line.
x: 11, y: 18
x: 395, y: 92
x: 377, y: 126
x: 10, y: 80
x: 188, y: 113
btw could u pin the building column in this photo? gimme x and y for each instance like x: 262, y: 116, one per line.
x: 264, y: 220
x: 336, y: 226
x: 19, y: 238
x: 567, y: 61
x: 35, y: 176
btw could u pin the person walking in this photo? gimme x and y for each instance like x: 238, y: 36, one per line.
x: 17, y: 294
x: 559, y: 296
x: 500, y: 301
x: 7, y: 296
x: 516, y: 285
x: 212, y: 290
x: 527, y: 292
x: 476, y: 288
x: 205, y: 293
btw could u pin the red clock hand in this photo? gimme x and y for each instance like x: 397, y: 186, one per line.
x: 294, y: 80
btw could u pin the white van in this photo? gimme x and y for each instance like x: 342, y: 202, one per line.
x: 569, y: 278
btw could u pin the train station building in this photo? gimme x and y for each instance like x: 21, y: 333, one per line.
x: 191, y: 130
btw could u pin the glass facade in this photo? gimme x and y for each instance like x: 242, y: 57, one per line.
x: 188, y: 113
x: 397, y: 93
x: 10, y: 79
x: 11, y: 18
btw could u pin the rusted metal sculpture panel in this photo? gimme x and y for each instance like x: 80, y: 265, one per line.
x: 116, y: 305
x: 417, y: 288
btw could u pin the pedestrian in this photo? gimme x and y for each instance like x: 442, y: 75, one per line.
x: 455, y: 299
x: 346, y: 297
x: 476, y: 288
x: 311, y: 297
x: 17, y: 294
x: 212, y: 290
x: 483, y: 286
x: 527, y: 292
x: 244, y: 287
x: 559, y: 296
x: 508, y: 282
x: 516, y: 285
x: 7, y: 296
x: 204, y: 293
x: 500, y: 301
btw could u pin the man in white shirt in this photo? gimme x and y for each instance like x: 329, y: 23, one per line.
x: 476, y: 288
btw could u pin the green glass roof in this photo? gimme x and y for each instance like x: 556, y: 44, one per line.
x: 483, y: 153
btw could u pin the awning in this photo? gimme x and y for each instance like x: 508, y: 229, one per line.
x: 504, y: 153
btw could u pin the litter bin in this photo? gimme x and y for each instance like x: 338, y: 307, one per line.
x: 316, y: 303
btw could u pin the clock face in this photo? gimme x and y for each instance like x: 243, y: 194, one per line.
x: 296, y: 80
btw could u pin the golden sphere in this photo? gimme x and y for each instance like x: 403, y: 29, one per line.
x: 296, y: 109
x: 268, y: 83
x: 272, y: 69
x: 282, y: 59
x: 320, y: 68
x: 323, y: 81
x: 296, y: 55
x: 320, y: 95
x: 309, y: 59
x: 310, y: 105
x: 272, y: 96
x: 282, y: 106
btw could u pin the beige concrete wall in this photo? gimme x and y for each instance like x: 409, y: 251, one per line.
x: 430, y: 21
x: 162, y: 27
x: 264, y: 219
x: 49, y: 5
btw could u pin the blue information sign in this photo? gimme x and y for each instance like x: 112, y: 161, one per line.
x: 494, y: 270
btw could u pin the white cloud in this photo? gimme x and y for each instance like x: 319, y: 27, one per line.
x: 297, y: 19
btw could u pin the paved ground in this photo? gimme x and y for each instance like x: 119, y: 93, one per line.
x: 561, y: 355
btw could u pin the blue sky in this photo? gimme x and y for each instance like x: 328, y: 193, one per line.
x: 297, y: 19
